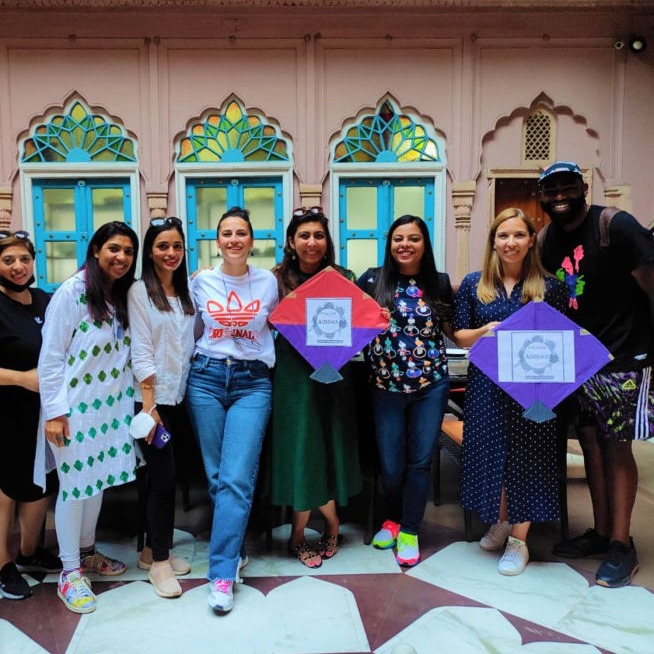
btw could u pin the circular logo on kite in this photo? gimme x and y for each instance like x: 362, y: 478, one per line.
x: 537, y: 354
x: 328, y: 320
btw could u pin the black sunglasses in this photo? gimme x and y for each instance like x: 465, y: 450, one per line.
x: 20, y: 234
x: 301, y: 212
x: 171, y: 220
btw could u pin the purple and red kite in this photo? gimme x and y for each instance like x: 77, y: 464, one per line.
x: 538, y: 356
x: 327, y: 320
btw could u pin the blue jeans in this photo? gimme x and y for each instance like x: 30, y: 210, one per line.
x: 229, y: 404
x: 407, y: 426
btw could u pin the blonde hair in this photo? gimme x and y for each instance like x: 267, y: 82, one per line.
x: 533, y: 273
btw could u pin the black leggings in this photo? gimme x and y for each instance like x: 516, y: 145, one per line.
x: 160, y: 481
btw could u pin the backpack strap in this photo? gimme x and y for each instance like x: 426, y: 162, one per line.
x: 605, y: 219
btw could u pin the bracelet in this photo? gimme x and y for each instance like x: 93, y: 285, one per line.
x: 146, y: 387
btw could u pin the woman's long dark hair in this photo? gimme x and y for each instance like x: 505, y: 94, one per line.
x: 149, y: 275
x: 96, y: 287
x: 288, y: 271
x: 384, y: 286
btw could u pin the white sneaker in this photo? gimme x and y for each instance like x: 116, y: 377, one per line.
x: 242, y: 563
x: 221, y: 595
x: 495, y: 537
x: 515, y: 557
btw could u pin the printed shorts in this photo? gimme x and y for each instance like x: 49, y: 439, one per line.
x: 620, y: 404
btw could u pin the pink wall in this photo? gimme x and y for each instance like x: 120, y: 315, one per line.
x: 473, y: 76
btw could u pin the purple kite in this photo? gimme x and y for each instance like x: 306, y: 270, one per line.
x: 327, y: 320
x: 538, y: 356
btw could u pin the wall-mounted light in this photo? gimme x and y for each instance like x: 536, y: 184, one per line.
x: 637, y: 44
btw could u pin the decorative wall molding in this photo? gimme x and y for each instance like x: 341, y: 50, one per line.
x: 463, y: 194
x: 310, y: 195
x: 446, y: 5
x: 157, y: 204
x: 6, y: 196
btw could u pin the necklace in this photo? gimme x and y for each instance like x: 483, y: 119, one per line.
x: 234, y: 306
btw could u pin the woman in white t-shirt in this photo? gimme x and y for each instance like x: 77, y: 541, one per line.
x: 161, y: 317
x: 229, y: 391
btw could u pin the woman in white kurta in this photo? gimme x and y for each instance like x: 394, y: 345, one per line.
x: 87, y: 399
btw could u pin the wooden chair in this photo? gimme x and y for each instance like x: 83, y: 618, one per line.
x: 450, y: 441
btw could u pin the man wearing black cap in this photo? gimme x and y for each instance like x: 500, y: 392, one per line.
x: 611, y: 279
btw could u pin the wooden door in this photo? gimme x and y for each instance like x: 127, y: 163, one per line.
x: 521, y: 193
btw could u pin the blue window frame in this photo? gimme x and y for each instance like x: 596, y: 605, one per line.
x: 385, y: 164
x: 368, y: 206
x: 66, y: 214
x: 208, y: 198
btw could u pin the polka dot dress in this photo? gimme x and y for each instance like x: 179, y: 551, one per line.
x: 500, y: 447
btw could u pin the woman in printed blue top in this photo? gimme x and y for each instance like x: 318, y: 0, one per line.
x: 509, y: 469
x: 229, y: 391
x: 409, y: 378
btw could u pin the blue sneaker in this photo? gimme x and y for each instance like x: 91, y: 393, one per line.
x: 620, y: 565
x: 408, y: 553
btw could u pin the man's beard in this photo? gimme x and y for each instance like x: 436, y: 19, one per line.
x: 575, y: 208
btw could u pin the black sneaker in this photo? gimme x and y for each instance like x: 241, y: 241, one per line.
x: 620, y: 565
x: 41, y: 561
x: 588, y: 544
x: 12, y: 584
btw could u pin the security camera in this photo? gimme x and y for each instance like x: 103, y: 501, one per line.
x: 618, y: 45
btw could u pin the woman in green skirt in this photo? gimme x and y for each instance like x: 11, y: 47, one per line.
x: 315, y: 458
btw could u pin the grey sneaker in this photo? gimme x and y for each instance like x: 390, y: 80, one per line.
x: 221, y: 595
x: 514, y: 559
x: 495, y: 537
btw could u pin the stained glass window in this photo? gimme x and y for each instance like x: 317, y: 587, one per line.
x: 232, y: 137
x: 386, y: 137
x: 77, y: 136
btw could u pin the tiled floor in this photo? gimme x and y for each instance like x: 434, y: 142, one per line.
x: 452, y: 602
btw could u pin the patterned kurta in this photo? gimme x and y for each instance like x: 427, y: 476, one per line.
x: 500, y: 447
x: 85, y: 373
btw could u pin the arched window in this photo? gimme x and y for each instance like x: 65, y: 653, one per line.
x: 79, y: 170
x: 538, y: 137
x: 234, y: 157
x: 385, y: 164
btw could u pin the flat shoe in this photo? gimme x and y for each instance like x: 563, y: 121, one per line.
x: 180, y: 566
x: 305, y: 554
x: 328, y: 545
x: 163, y: 580
x: 101, y: 564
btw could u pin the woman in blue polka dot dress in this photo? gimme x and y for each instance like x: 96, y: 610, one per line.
x: 509, y: 464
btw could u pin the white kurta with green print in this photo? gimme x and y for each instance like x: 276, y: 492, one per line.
x: 85, y: 373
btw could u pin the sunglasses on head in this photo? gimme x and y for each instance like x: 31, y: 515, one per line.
x: 301, y: 212
x: 20, y: 234
x: 171, y: 220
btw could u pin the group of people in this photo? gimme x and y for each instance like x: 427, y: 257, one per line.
x: 197, y: 354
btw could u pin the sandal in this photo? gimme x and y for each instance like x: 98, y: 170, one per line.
x: 305, y: 554
x: 328, y: 545
x: 100, y: 564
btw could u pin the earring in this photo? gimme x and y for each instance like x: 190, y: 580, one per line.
x: 293, y: 257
